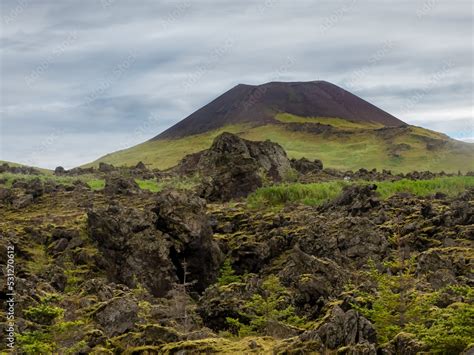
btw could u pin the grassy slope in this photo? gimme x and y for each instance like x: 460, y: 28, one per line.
x: 360, y: 149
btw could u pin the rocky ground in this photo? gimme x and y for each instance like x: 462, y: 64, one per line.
x: 122, y: 270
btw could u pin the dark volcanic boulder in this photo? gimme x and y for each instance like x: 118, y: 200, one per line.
x: 344, y: 239
x: 151, y: 248
x: 305, y: 166
x: 106, y: 168
x: 117, y: 316
x: 235, y: 167
x: 116, y: 184
x: 6, y: 195
x: 446, y: 266
x: 340, y: 332
x: 403, y: 343
x: 355, y: 199
x: 189, y: 164
x: 342, y: 329
x: 316, y: 279
x: 140, y: 166
x: 59, y: 171
x: 136, y: 252
x: 182, y: 216
x: 34, y: 187
x: 22, y: 201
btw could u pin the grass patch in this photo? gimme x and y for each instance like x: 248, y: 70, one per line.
x: 150, y: 185
x: 309, y: 194
x: 316, y: 194
x: 450, y: 186
x: 96, y: 184
x: 39, y: 260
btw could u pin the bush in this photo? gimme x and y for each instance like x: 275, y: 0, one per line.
x: 43, y: 314
x: 399, y: 305
x: 227, y: 274
x: 35, y: 342
x: 271, y: 305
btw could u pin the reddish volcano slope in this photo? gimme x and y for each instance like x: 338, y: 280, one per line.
x: 258, y: 105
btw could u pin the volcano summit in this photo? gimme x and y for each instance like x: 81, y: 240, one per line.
x: 258, y: 105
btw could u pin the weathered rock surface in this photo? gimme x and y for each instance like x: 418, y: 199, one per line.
x: 117, y: 184
x: 342, y: 329
x: 403, y: 343
x: 356, y: 199
x: 117, y: 315
x: 134, y: 250
x: 234, y: 167
x: 182, y: 216
x: 151, y: 248
x: 305, y: 166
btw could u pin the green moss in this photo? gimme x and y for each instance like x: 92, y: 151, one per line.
x: 39, y: 261
x: 260, y: 345
x: 447, y: 185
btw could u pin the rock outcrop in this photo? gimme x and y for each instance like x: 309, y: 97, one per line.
x: 136, y: 252
x: 305, y: 166
x: 182, y: 216
x: 234, y: 167
x: 117, y: 184
x: 155, y: 248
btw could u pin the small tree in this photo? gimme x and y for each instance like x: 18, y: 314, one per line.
x: 271, y: 305
x: 227, y: 274
x: 182, y: 304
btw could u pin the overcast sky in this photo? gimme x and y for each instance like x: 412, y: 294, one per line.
x: 83, y: 78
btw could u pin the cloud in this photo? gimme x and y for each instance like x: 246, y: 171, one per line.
x: 96, y: 71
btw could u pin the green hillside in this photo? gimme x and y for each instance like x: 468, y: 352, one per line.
x: 343, y: 145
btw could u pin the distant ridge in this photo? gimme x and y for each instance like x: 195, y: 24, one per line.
x: 258, y: 104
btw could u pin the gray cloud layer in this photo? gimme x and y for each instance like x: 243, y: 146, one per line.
x: 83, y: 78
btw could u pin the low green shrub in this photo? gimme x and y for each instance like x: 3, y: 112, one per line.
x: 398, y: 305
x: 272, y: 304
x: 43, y: 313
x: 227, y: 274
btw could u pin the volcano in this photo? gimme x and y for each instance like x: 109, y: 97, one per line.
x: 259, y: 104
x: 315, y: 120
